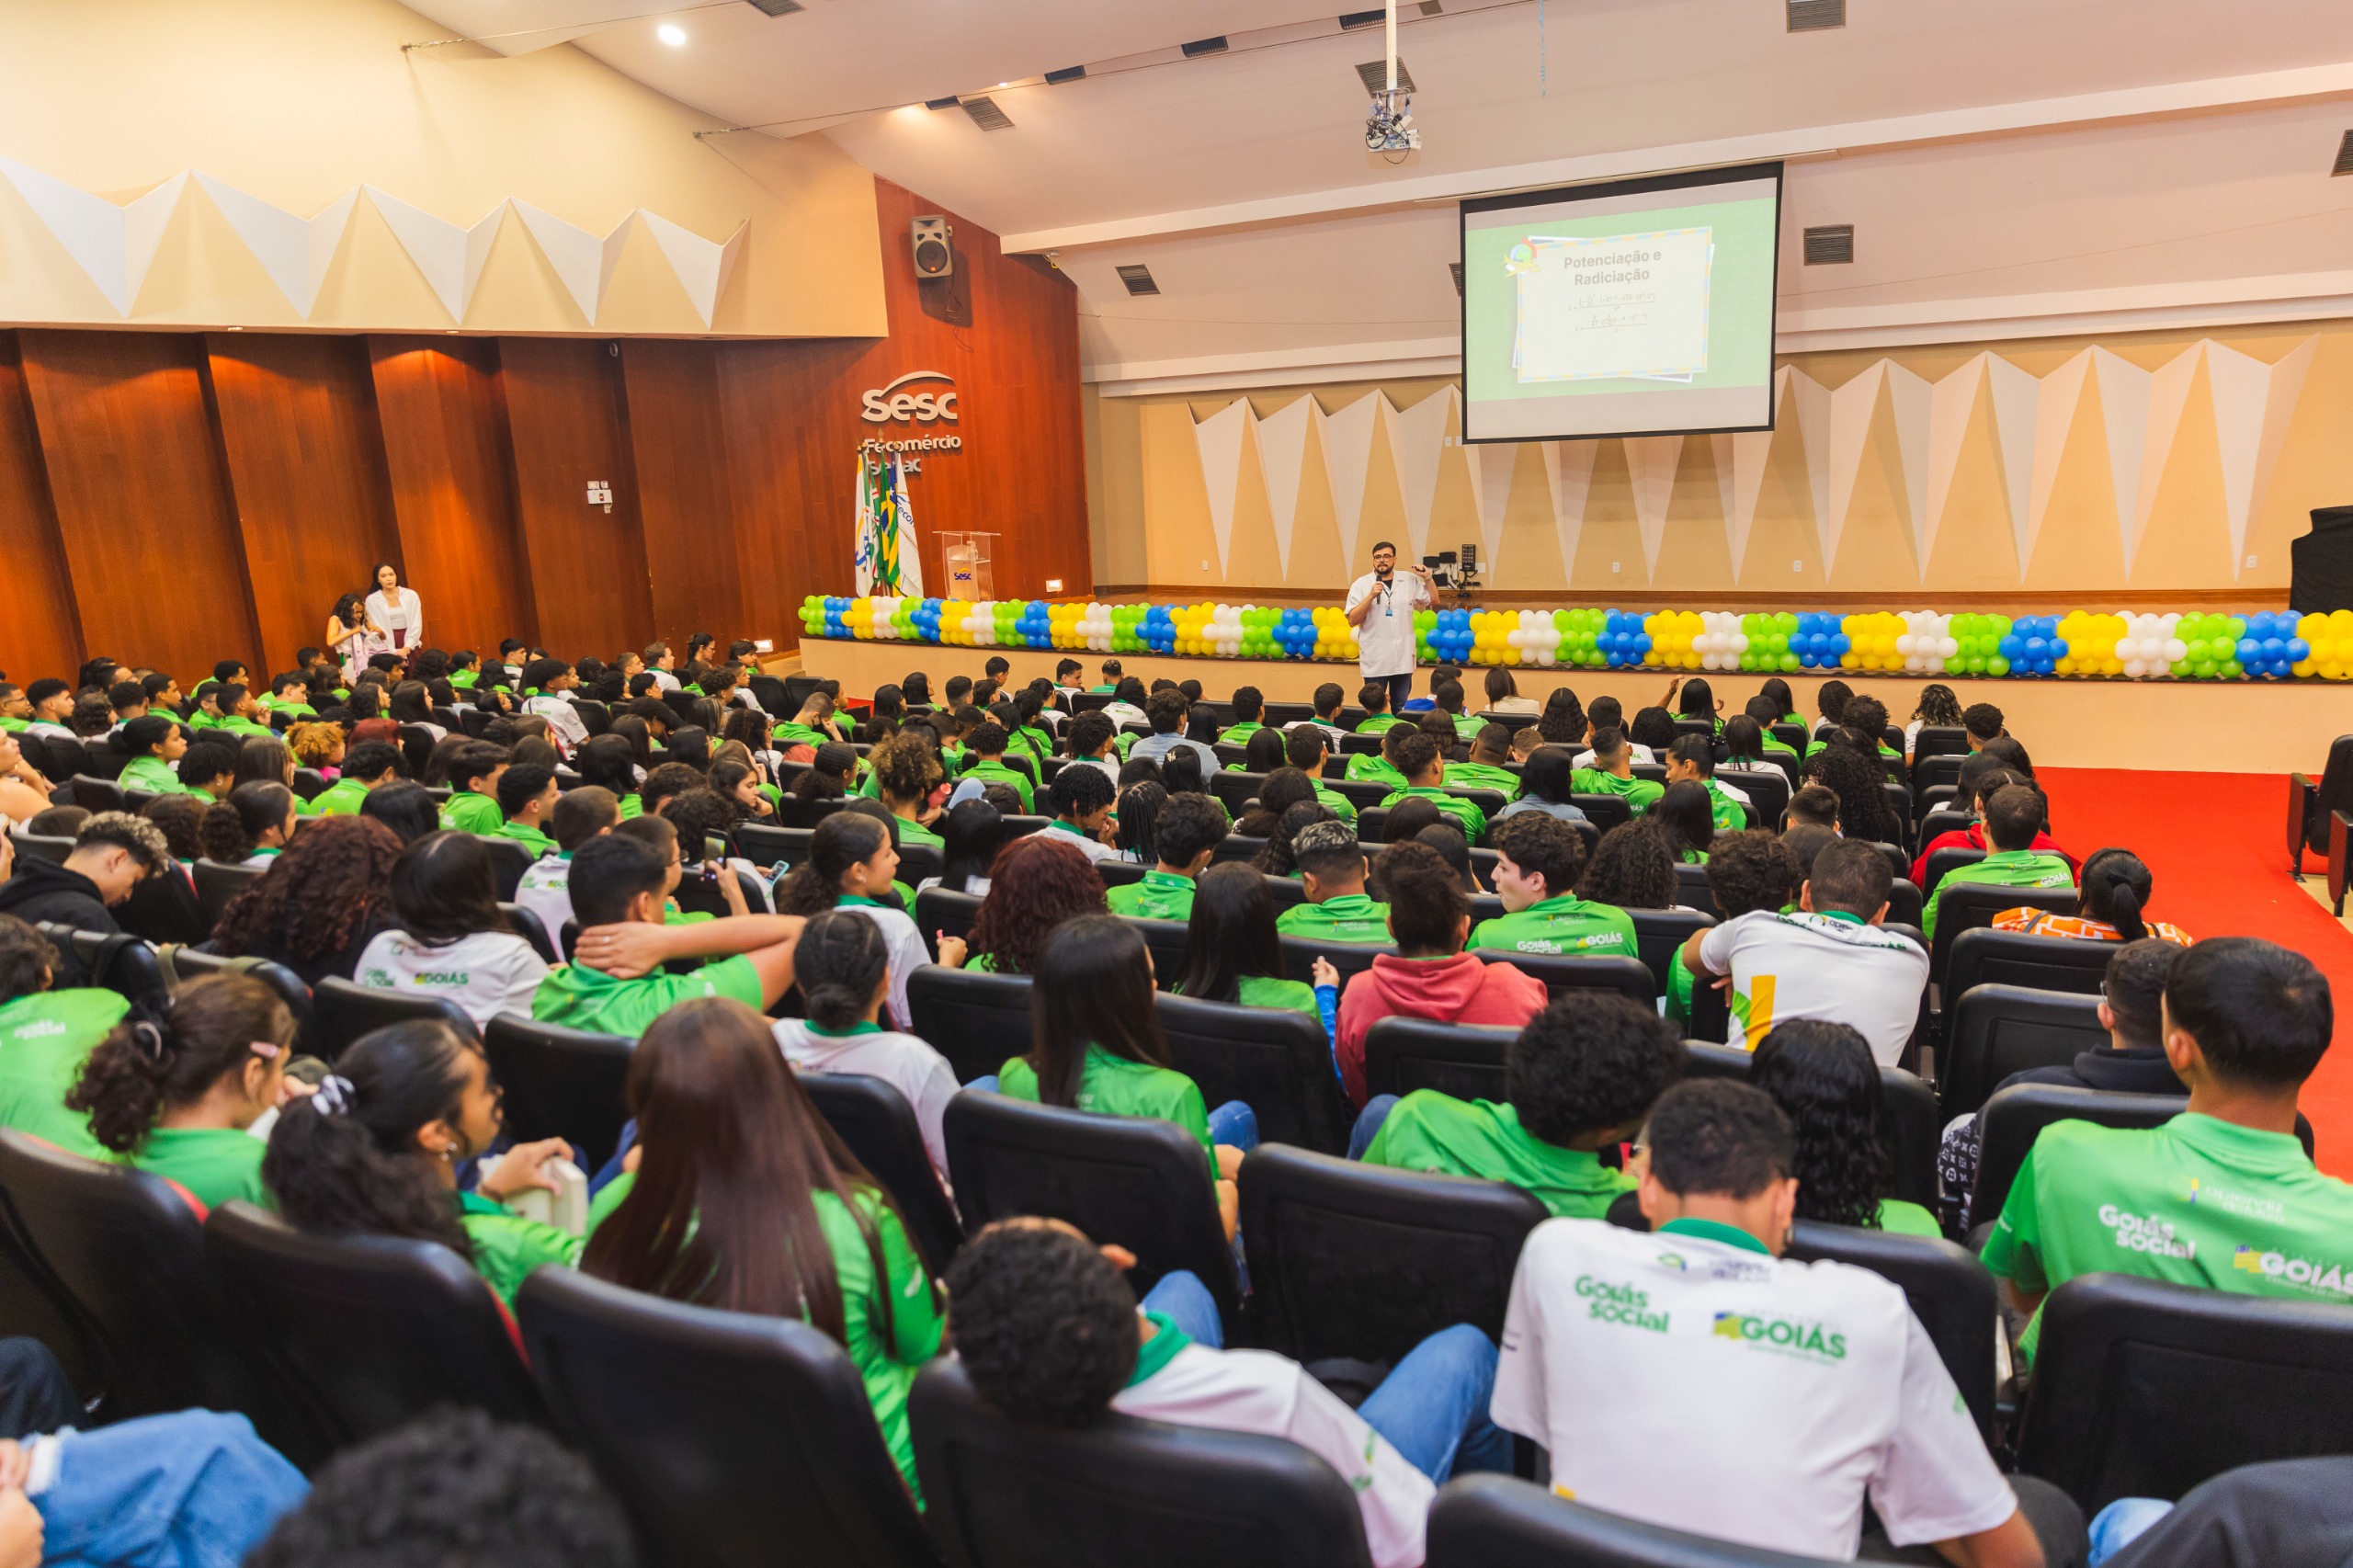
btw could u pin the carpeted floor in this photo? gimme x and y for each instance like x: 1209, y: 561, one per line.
x: 2215, y: 844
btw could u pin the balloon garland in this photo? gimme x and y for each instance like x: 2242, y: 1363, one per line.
x: 2270, y: 645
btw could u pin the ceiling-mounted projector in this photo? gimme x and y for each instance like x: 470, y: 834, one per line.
x: 1390, y: 128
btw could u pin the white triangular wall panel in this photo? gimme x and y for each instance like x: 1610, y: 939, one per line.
x: 1568, y: 478
x: 1345, y: 439
x: 1650, y: 462
x: 1951, y: 401
x: 1740, y: 479
x: 1908, y: 397
x: 449, y: 257
x: 702, y: 265
x: 2288, y: 376
x: 1813, y: 401
x: 2252, y: 404
x: 2057, y: 397
x: 583, y: 262
x: 1416, y: 442
x: 2125, y: 404
x: 1492, y: 466
x: 295, y: 252
x: 1852, y: 405
x: 2016, y: 395
x: 1219, y: 439
x: 2170, y: 388
x: 114, y: 246
x: 1282, y: 459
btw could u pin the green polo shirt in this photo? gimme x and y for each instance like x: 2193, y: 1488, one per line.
x: 1430, y: 1131
x: 1113, y: 1085
x: 1561, y: 924
x: 1728, y: 814
x: 1379, y: 723
x: 44, y: 1039
x: 1639, y: 794
x: 1238, y: 734
x: 791, y: 733
x: 300, y: 709
x: 2197, y: 1201
x: 579, y: 997
x: 1161, y: 895
x: 2003, y: 867
x: 913, y: 832
x: 998, y: 773
x: 467, y: 810
x: 1350, y: 917
x: 1339, y: 805
x: 1266, y: 991
x: 340, y: 799
x: 465, y: 679
x: 214, y: 1163
x: 1482, y: 776
x: 1468, y: 817
x: 508, y: 1246
x: 238, y: 724
x: 1466, y: 727
x: 15, y: 726
x: 154, y: 776
x: 1365, y: 768
x: 529, y: 837
x: 1898, y: 1218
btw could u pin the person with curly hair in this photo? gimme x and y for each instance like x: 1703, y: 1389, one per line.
x: 1746, y: 871
x: 1563, y: 722
x: 1822, y: 1077
x: 173, y: 1088
x: 1049, y: 1332
x: 319, y: 747
x: 903, y: 774
x: 1632, y: 868
x: 1856, y: 779
x: 1036, y: 885
x: 1938, y: 705
x: 47, y: 1031
x: 321, y: 904
x: 1578, y: 1079
x: 113, y: 852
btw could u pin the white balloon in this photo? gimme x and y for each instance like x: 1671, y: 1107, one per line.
x: 2136, y: 667
x: 2176, y: 650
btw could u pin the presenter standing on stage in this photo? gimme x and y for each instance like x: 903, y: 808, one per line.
x: 1381, y: 608
x: 398, y: 614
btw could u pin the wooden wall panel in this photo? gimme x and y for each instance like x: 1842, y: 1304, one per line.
x: 41, y: 632
x: 443, y: 421
x: 306, y: 468
x: 587, y: 565
x: 679, y: 448
x: 143, y: 502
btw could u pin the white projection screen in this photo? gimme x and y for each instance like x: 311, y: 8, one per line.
x: 1636, y: 308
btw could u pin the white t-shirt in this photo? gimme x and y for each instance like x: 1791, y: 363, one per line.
x: 1748, y: 1398
x: 664, y: 680
x: 1258, y: 1391
x: 1385, y: 639
x: 1641, y: 753
x: 907, y: 953
x: 487, y: 973
x: 564, y: 724
x: 546, y: 891
x: 921, y: 1074
x: 1093, y: 848
x: 1818, y: 966
x: 1124, y: 713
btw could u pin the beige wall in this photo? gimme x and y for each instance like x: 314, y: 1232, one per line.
x: 297, y: 101
x: 2183, y: 549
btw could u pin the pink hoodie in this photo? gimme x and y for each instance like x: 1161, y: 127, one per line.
x: 1460, y: 990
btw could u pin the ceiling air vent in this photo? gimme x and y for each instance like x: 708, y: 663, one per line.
x: 1814, y: 16
x: 777, y: 8
x: 1456, y: 267
x: 1830, y: 244
x: 1138, y: 277
x: 1074, y: 73
x: 1432, y: 8
x: 1374, y: 74
x: 2343, y: 157
x: 938, y: 103
x: 985, y: 114
x: 1202, y: 46
x: 1351, y: 20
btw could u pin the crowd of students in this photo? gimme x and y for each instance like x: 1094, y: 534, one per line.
x: 370, y: 818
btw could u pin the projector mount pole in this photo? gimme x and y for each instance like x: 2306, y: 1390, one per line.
x: 1391, y: 31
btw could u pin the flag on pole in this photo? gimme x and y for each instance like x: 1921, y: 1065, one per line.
x: 906, y: 549
x: 884, y: 549
x: 862, y: 534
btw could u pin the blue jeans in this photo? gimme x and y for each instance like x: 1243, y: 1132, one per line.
x: 190, y: 1490
x: 1236, y: 1124
x: 605, y: 1173
x: 2117, y: 1526
x: 1401, y: 687
x: 1376, y: 1111
x: 1432, y: 1408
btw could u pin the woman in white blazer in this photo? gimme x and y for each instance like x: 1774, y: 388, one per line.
x: 398, y: 614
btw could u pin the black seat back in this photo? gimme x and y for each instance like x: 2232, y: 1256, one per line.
x: 1137, y: 1494
x: 879, y: 1128
x: 1983, y: 955
x: 1235, y: 788
x: 1273, y: 1060
x: 187, y: 963
x: 93, y: 794
x: 725, y: 1435
x: 119, y: 962
x: 533, y: 930
x: 2014, y: 1117
x: 1912, y: 1129
x: 1351, y: 958
x: 1466, y: 1061
x: 1945, y: 860
x: 1565, y: 972
x: 1971, y: 906
x: 508, y: 861
x: 378, y: 1330
x: 765, y: 846
x: 44, y: 846
x: 1660, y: 933
x: 217, y: 886
x: 1605, y: 811
x: 1165, y: 940
x: 801, y: 810
x: 1768, y: 789
x: 2144, y: 1389
x: 165, y: 909
x: 1692, y: 891
x: 1499, y: 1521
x: 1362, y: 1262
x: 1951, y: 1294
x: 975, y: 1019
x: 1139, y: 1182
x: 1996, y: 1031
x: 561, y: 1083
x: 342, y: 1012
x: 938, y: 911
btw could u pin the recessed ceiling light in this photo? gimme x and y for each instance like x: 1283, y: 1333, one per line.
x: 671, y: 33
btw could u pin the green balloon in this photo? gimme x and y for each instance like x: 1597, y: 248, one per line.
x: 2232, y: 669
x: 1789, y: 662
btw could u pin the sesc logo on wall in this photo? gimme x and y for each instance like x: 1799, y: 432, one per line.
x: 925, y: 408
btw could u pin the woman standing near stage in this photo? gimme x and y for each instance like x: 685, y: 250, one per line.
x: 350, y: 635
x: 398, y: 614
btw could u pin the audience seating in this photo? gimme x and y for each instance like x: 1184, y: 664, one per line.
x: 1691, y: 891
x: 190, y: 962
x: 942, y: 911
x: 1912, y: 1127
x: 1165, y: 940
x: 433, y: 1333
x: 1996, y: 1031
x: 800, y: 811
x: 1023, y: 827
x: 1363, y: 794
x: 772, y: 845
x: 1238, y: 846
x: 508, y: 861
x: 1358, y: 1264
x: 1982, y: 956
x: 218, y: 886
x: 527, y: 925
x: 725, y: 1435
x: 1937, y: 821
x: 1497, y: 1521
x: 976, y: 1019
x: 44, y: 848
x: 1944, y: 860
x: 2340, y: 860
x: 1351, y: 958
x: 1371, y: 821
x: 1235, y: 788
x: 1768, y: 789
x: 1273, y: 1060
x: 2015, y: 1117
x: 695, y: 896
x: 1139, y: 1182
x: 1970, y: 906
x: 1565, y: 972
x: 1138, y: 1494
x: 2309, y: 804
x: 341, y: 1011
x: 165, y: 909
x: 1118, y: 873
x: 561, y: 1083
x: 1951, y: 1294
x: 1605, y: 811
x: 876, y: 1124
x: 117, y: 961
x: 2144, y: 1389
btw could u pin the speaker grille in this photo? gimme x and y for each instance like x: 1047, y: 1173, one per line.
x: 777, y: 8
x: 1138, y: 277
x: 1071, y: 73
x: 1456, y: 267
x: 1816, y: 16
x: 2343, y: 157
x: 1351, y: 20
x: 1830, y: 244
x: 986, y: 115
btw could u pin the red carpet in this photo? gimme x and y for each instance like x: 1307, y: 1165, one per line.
x: 2216, y: 845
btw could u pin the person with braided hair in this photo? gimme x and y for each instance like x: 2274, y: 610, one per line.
x: 843, y: 967
x: 175, y: 1088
